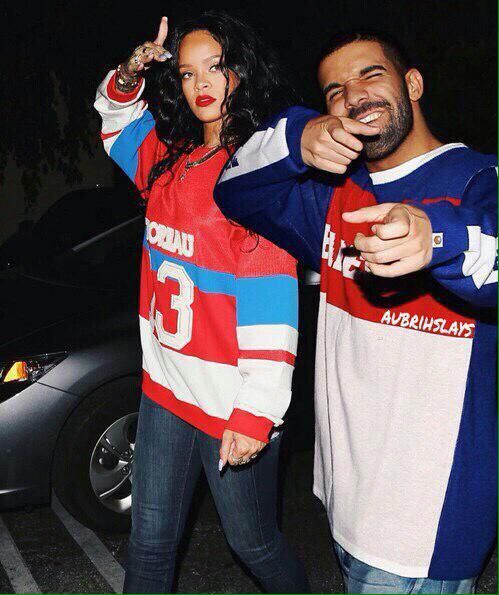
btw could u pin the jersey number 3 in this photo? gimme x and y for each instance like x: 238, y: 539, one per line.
x: 181, y: 303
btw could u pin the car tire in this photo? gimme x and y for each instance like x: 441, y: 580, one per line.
x: 76, y: 447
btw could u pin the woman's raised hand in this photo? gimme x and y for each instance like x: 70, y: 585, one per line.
x: 148, y: 52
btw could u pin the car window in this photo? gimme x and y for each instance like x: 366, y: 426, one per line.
x: 88, y: 239
x: 110, y: 261
x: 112, y: 258
x: 81, y: 215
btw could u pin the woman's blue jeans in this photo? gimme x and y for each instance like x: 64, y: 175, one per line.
x: 169, y: 457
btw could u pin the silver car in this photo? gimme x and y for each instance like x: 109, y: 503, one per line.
x: 70, y: 361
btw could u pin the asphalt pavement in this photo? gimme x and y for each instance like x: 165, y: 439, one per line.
x: 47, y: 551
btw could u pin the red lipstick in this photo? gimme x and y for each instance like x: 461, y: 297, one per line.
x: 204, y: 100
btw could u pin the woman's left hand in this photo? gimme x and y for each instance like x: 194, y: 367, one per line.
x: 238, y: 449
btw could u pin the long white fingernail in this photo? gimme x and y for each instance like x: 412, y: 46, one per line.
x: 220, y: 465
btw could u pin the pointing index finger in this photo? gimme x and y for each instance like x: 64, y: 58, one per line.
x: 162, y: 31
x: 372, y: 214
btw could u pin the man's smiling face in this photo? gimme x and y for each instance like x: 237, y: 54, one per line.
x: 360, y: 82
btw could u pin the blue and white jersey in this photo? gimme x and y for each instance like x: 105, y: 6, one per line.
x: 406, y: 413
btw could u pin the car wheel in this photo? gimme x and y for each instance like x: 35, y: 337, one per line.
x: 92, y: 470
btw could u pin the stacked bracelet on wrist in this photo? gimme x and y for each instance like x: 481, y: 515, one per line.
x: 125, y: 82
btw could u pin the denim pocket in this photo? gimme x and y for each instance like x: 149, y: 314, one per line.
x: 363, y: 578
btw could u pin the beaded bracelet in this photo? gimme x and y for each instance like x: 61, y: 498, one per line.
x: 125, y: 81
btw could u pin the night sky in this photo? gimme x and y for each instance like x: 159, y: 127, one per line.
x: 453, y: 42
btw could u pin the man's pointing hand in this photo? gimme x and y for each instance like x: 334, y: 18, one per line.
x: 330, y: 143
x: 402, y: 240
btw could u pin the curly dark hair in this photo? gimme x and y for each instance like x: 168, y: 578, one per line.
x: 261, y: 91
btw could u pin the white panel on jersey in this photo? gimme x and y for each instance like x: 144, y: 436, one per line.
x: 492, y: 278
x: 268, y: 392
x: 268, y: 336
x: 263, y: 148
x: 389, y: 430
x: 480, y: 258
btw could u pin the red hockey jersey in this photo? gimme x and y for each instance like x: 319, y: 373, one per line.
x: 218, y: 307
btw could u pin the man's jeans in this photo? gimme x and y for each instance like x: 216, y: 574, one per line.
x: 362, y: 578
x: 169, y: 456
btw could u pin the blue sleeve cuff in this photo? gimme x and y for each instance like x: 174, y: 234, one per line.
x: 449, y: 235
x: 297, y: 119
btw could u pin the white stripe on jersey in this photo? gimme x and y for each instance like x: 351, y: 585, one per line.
x: 480, y: 258
x: 266, y: 393
x: 214, y: 387
x: 268, y: 336
x: 263, y: 148
x: 208, y: 385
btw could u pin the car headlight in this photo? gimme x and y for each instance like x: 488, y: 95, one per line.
x: 17, y: 374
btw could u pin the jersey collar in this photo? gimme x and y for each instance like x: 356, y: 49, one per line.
x: 404, y: 169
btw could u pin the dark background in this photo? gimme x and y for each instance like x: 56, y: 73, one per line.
x: 55, y: 54
x: 64, y: 48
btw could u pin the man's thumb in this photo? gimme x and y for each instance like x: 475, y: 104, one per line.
x: 359, y: 128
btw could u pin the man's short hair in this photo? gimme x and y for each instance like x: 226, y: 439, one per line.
x: 392, y: 48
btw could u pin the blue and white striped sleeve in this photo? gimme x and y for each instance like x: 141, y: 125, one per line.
x: 267, y: 188
x: 465, y: 241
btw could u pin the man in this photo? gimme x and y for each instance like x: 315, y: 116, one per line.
x: 405, y: 458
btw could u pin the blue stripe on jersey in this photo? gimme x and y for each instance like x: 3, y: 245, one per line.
x: 125, y: 149
x: 467, y: 527
x: 267, y: 300
x: 260, y: 300
x: 204, y: 279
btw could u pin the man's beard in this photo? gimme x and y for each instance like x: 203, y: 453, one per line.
x: 400, y: 124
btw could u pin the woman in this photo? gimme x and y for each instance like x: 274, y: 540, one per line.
x: 218, y: 307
